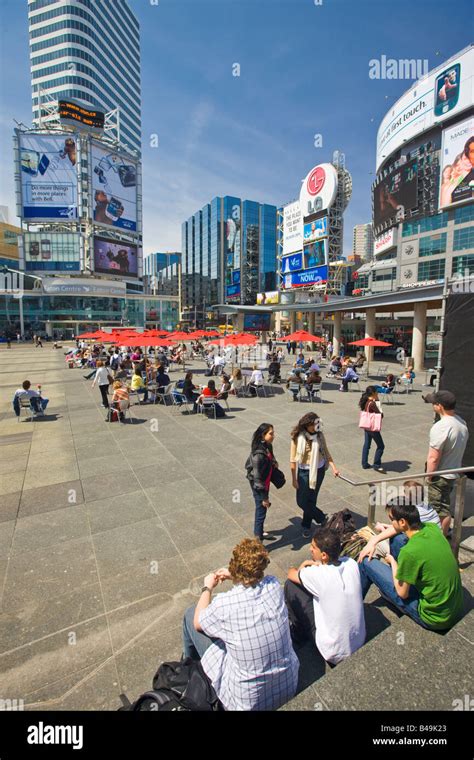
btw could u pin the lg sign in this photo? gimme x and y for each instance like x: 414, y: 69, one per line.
x: 316, y: 181
x: 319, y: 189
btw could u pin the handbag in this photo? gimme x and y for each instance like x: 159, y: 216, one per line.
x: 277, y: 478
x: 370, y: 421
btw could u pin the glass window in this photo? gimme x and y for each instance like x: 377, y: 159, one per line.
x: 464, y: 214
x: 463, y: 264
x: 463, y: 239
x: 431, y: 270
x: 433, y: 244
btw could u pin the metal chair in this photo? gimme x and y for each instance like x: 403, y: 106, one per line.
x: 25, y: 404
x: 290, y: 391
x: 387, y: 397
x: 315, y: 390
x: 382, y: 370
x: 178, y: 399
x: 164, y: 395
x: 208, y: 403
x: 125, y: 408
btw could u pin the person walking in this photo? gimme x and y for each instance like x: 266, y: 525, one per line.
x: 259, y: 466
x: 288, y: 347
x: 309, y: 460
x: 448, y: 441
x: 293, y: 347
x: 368, y: 403
x: 102, y: 378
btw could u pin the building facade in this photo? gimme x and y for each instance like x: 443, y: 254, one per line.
x: 162, y: 273
x: 89, y: 51
x: 363, y: 242
x: 228, y: 255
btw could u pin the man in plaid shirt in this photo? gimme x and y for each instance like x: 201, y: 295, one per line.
x: 243, y: 636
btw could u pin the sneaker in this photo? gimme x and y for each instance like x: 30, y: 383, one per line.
x: 366, y: 466
x: 380, y: 469
x: 323, y: 520
x: 306, y: 533
x: 268, y: 537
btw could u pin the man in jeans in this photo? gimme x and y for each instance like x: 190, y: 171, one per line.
x: 422, y: 578
x: 448, y: 440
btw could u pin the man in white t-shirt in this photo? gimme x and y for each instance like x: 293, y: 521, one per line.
x: 448, y: 441
x: 324, y: 599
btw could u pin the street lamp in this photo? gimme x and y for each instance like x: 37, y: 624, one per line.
x: 6, y: 269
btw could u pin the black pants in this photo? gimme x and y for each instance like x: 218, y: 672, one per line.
x: 307, y: 497
x: 104, y: 393
x: 300, y: 612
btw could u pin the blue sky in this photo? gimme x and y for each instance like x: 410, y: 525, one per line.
x: 304, y: 70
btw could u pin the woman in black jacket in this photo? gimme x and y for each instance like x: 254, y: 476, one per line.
x: 368, y: 403
x: 259, y: 467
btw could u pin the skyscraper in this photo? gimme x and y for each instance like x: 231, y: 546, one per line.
x: 363, y: 242
x: 228, y: 253
x: 89, y: 51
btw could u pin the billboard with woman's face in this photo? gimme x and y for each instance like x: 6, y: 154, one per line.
x: 457, y: 164
x: 112, y: 257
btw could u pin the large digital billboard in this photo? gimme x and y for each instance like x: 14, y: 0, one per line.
x: 292, y: 263
x: 316, y: 276
x: 315, y: 230
x: 114, y: 188
x: 315, y: 254
x: 270, y: 297
x: 396, y: 193
x: 232, y: 237
x: 443, y: 93
x: 51, y: 251
x: 112, y: 257
x: 71, y: 112
x: 292, y: 228
x: 257, y: 322
x: 457, y: 164
x: 48, y: 176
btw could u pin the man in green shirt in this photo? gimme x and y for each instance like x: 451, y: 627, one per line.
x: 422, y: 579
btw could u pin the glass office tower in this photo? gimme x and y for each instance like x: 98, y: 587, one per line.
x: 229, y: 254
x: 89, y: 51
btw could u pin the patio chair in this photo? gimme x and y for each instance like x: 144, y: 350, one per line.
x: 165, y: 395
x: 382, y: 370
x: 314, y: 391
x: 25, y: 404
x: 208, y: 404
x: 290, y: 391
x: 125, y: 408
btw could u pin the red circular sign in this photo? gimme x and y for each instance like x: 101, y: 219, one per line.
x: 316, y: 181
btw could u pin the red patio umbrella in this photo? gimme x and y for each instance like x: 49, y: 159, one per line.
x: 369, y: 342
x: 304, y: 337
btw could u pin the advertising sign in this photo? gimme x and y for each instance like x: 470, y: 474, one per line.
x: 292, y: 263
x: 257, y: 322
x: 446, y: 91
x: 315, y: 230
x: 48, y: 173
x: 114, y: 188
x: 316, y: 276
x: 232, y: 237
x: 236, y: 277
x: 51, y: 251
x: 270, y: 297
x: 457, y: 164
x: 292, y: 237
x: 315, y: 254
x: 385, y: 241
x: 112, y: 257
x: 318, y: 189
x: 232, y: 291
x: 71, y: 112
x: 82, y: 286
x: 397, y: 192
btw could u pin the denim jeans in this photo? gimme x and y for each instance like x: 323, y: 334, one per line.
x: 260, y: 514
x: 369, y: 436
x: 195, y: 643
x: 306, y: 497
x: 375, y: 571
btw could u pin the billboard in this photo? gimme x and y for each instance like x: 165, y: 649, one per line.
x: 112, y: 257
x: 385, y: 241
x: 48, y: 176
x: 446, y: 91
x: 315, y: 254
x: 232, y: 291
x: 114, y: 188
x: 315, y: 230
x: 292, y: 263
x: 316, y: 276
x: 257, y: 322
x: 292, y: 237
x: 270, y: 297
x: 71, y: 112
x: 457, y: 164
x: 318, y: 189
x: 232, y: 237
x: 51, y: 251
x: 395, y: 193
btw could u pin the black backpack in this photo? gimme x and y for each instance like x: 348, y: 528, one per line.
x: 177, y: 686
x: 342, y: 523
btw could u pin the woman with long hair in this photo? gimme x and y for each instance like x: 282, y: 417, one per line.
x: 368, y: 403
x: 259, y: 466
x: 309, y: 460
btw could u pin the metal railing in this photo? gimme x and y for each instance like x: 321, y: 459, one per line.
x: 459, y: 502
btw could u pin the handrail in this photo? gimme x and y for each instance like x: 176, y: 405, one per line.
x: 459, y: 502
x: 407, y: 476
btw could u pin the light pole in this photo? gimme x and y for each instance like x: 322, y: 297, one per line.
x: 6, y: 269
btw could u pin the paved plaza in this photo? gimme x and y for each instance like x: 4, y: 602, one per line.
x: 107, y: 531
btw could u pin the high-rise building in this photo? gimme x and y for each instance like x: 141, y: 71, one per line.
x: 363, y: 242
x: 228, y: 253
x: 161, y: 273
x: 89, y: 51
